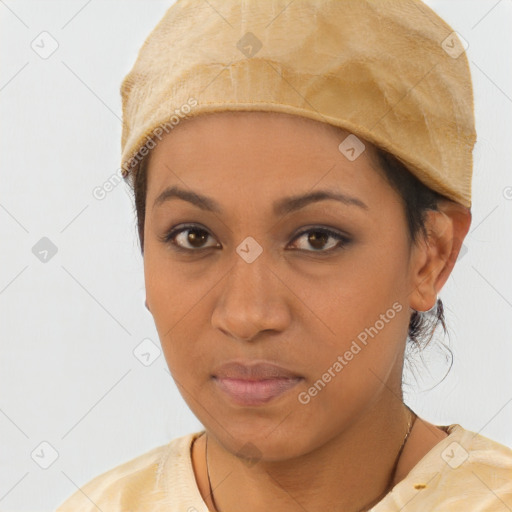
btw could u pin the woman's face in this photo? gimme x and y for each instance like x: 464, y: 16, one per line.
x: 254, y: 276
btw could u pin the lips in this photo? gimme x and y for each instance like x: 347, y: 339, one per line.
x: 253, y: 371
x: 254, y: 384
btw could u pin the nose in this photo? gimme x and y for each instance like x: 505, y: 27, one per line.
x: 253, y: 299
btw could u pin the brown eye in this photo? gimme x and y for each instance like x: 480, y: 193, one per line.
x: 318, y: 238
x: 196, y: 237
x: 188, y: 238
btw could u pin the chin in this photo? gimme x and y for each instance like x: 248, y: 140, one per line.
x: 264, y: 440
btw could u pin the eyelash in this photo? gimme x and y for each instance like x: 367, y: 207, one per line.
x: 173, y: 233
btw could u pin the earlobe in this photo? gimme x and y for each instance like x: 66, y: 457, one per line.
x: 412, y: 310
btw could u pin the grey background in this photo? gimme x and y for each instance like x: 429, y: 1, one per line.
x: 70, y: 324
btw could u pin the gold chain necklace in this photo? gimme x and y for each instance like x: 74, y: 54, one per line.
x: 412, y: 419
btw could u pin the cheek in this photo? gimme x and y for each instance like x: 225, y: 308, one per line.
x: 357, y: 292
x: 365, y: 328
x: 361, y: 317
x: 167, y: 299
x: 181, y: 306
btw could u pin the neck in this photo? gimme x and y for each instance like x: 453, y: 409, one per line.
x: 347, y: 472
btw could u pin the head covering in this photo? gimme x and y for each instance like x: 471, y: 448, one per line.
x: 389, y: 71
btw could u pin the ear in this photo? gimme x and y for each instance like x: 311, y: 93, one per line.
x: 434, y: 258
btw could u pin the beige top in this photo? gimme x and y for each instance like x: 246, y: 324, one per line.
x: 465, y: 472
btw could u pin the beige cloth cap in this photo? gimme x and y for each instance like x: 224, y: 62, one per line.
x: 390, y: 71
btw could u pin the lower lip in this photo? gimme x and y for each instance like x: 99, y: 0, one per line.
x: 255, y: 392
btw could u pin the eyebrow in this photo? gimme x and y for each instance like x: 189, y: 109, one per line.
x: 280, y: 207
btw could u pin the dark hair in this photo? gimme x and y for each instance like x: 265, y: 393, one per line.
x: 417, y: 199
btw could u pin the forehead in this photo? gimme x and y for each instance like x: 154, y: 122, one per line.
x: 259, y: 152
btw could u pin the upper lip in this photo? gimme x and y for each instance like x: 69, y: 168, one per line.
x: 253, y: 371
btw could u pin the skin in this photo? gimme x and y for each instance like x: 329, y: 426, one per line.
x: 291, y: 306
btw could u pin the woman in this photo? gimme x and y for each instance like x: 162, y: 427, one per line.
x: 302, y: 179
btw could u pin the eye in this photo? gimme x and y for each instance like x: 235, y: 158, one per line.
x: 318, y: 237
x: 191, y: 234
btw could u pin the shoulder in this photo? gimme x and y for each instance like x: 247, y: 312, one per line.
x: 474, y: 456
x: 465, y: 471
x: 140, y: 482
